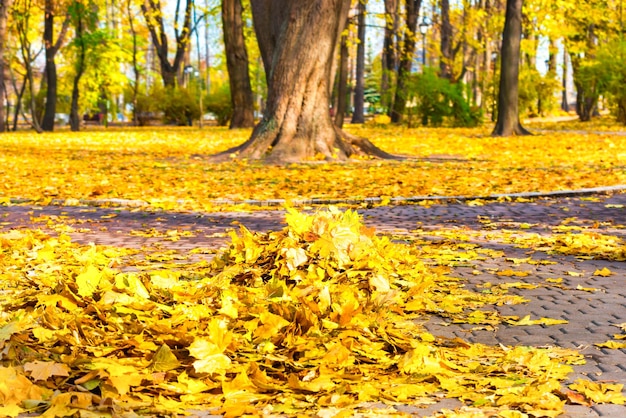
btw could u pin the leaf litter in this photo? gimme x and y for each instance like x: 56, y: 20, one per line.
x: 321, y: 317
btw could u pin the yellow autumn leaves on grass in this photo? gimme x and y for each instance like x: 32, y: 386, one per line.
x: 321, y: 317
x: 168, y: 168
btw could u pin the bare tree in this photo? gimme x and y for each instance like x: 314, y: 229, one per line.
x: 508, y: 122
x: 171, y: 72
x: 297, y: 40
x: 237, y: 63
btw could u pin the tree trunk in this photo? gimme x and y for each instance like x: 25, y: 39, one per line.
x: 237, y: 63
x: 406, y: 60
x: 389, y: 58
x: 342, y: 82
x: 564, y: 99
x: 80, y: 69
x: 508, y: 122
x: 297, y: 39
x: 5, y: 6
x: 445, y: 62
x: 136, y: 70
x: 18, y: 105
x: 359, y: 88
x: 50, y: 70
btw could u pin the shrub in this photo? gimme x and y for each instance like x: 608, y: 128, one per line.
x: 537, y: 93
x: 219, y: 104
x: 179, y: 107
x: 147, y: 105
x: 435, y: 100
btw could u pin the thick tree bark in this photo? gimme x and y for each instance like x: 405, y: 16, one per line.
x: 445, y: 70
x: 508, y: 122
x: 171, y: 72
x: 5, y: 6
x: 297, y: 39
x: 406, y: 60
x: 359, y: 88
x: 237, y: 63
x: 390, y: 57
x: 50, y: 71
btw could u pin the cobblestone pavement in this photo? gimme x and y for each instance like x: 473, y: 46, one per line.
x: 591, y: 316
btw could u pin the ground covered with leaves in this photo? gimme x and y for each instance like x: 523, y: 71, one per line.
x: 319, y: 318
x: 323, y: 317
x: 169, y: 168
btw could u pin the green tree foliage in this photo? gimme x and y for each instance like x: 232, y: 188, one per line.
x: 606, y: 76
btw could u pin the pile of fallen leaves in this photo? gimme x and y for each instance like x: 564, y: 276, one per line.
x: 321, y: 318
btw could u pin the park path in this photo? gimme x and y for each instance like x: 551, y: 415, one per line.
x: 591, y: 316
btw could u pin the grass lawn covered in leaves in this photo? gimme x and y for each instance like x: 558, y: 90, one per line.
x: 168, y: 168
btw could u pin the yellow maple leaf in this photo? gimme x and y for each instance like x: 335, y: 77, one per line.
x: 611, y: 344
x: 42, y: 370
x: 210, y: 357
x: 604, y: 272
x: 542, y: 321
x: 295, y: 257
x: 164, y: 360
x: 587, y: 289
x: 15, y: 387
x: 88, y: 281
x: 272, y: 324
x: 600, y: 392
x: 11, y: 410
x: 509, y: 273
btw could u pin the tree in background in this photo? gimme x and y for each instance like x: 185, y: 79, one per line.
x: 412, y: 8
x: 134, y: 85
x: 171, y: 72
x: 22, y: 14
x: 389, y: 55
x: 5, y: 6
x: 446, y: 42
x: 508, y: 122
x: 237, y: 63
x: 51, y: 46
x: 298, y: 40
x: 359, y: 87
x: 87, y: 37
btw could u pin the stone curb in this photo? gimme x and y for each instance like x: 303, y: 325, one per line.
x: 336, y: 201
